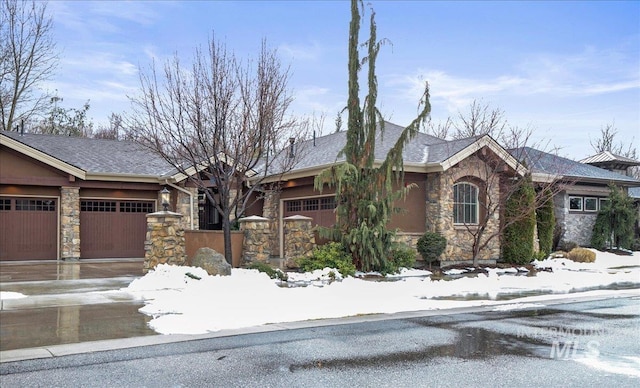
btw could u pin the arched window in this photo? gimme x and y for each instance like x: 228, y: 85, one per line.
x: 465, y: 203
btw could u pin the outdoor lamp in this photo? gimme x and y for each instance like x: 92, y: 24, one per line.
x: 165, y: 196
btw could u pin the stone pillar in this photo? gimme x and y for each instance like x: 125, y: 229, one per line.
x: 299, y: 239
x: 165, y: 242
x: 70, y: 223
x: 256, y: 244
x: 270, y: 210
x: 187, y: 205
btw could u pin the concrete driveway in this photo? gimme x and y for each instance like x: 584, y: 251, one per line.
x: 69, y: 302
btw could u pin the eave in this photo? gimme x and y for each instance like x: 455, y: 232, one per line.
x: 43, y: 157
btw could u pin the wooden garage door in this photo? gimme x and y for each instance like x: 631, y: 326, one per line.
x: 320, y: 209
x: 28, y: 228
x: 113, y: 228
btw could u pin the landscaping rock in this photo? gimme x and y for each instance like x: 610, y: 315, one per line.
x: 211, y: 261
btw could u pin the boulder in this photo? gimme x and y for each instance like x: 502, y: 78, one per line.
x: 211, y: 261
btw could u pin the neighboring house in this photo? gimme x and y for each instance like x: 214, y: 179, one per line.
x: 70, y: 197
x: 437, y: 167
x: 580, y: 190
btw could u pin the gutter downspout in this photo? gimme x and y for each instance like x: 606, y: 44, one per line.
x: 166, y: 182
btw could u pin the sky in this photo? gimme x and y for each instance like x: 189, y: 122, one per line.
x: 564, y: 69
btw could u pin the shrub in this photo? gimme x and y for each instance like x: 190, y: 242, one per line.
x: 271, y: 272
x: 517, y: 244
x: 568, y: 246
x: 581, y: 255
x: 332, y: 255
x: 401, y: 256
x: 614, y: 225
x: 546, y: 221
x: 430, y: 246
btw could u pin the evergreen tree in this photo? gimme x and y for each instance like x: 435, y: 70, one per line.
x: 614, y: 224
x: 546, y: 221
x: 364, y: 193
x: 517, y: 245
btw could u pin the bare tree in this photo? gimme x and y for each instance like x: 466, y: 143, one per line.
x: 606, y: 142
x: 219, y: 122
x: 113, y: 131
x: 495, y: 180
x: 28, y: 57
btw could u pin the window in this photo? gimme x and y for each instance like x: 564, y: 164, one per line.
x: 603, y: 203
x: 591, y: 204
x: 465, y: 203
x: 311, y: 204
x: 136, y: 207
x: 328, y: 203
x: 97, y: 206
x: 36, y: 205
x: 575, y: 203
x: 293, y: 206
x: 5, y: 204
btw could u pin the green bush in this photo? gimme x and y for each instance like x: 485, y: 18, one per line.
x: 430, y: 246
x: 271, y: 272
x: 614, y: 224
x: 517, y: 244
x: 332, y: 255
x: 546, y: 221
x: 402, y: 256
x: 581, y: 255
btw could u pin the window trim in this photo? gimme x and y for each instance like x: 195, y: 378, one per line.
x: 600, y: 202
x: 584, y: 204
x: 581, y: 203
x: 475, y: 204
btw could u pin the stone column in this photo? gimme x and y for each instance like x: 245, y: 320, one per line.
x: 270, y: 210
x: 165, y: 242
x: 299, y: 239
x: 70, y: 223
x: 257, y: 235
x: 185, y: 205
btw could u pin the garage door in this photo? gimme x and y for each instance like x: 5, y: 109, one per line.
x: 320, y: 209
x: 113, y: 228
x: 28, y: 228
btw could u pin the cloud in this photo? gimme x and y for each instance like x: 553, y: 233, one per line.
x: 300, y: 52
x: 586, y: 74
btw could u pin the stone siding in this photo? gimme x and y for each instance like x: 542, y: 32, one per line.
x: 165, y: 243
x: 299, y: 239
x: 70, y: 223
x: 185, y: 205
x: 440, y: 212
x: 257, y: 235
x: 271, y: 211
x: 579, y: 227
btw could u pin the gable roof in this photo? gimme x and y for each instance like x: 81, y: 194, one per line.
x: 423, y: 153
x: 607, y: 157
x: 88, y: 158
x: 545, y: 166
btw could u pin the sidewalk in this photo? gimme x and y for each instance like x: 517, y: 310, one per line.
x: 69, y: 302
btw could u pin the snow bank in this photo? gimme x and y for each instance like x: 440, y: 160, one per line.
x: 11, y: 295
x: 181, y: 303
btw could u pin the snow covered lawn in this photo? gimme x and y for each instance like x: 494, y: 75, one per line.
x: 181, y: 303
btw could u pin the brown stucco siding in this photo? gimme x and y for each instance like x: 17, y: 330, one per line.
x: 19, y: 169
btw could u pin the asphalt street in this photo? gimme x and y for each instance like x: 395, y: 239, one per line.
x: 591, y: 343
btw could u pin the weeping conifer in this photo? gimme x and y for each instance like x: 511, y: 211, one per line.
x: 364, y: 193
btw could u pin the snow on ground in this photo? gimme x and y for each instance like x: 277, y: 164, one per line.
x: 180, y: 303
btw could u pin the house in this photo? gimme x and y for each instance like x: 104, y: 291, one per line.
x: 452, y: 182
x: 580, y: 188
x: 70, y: 197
